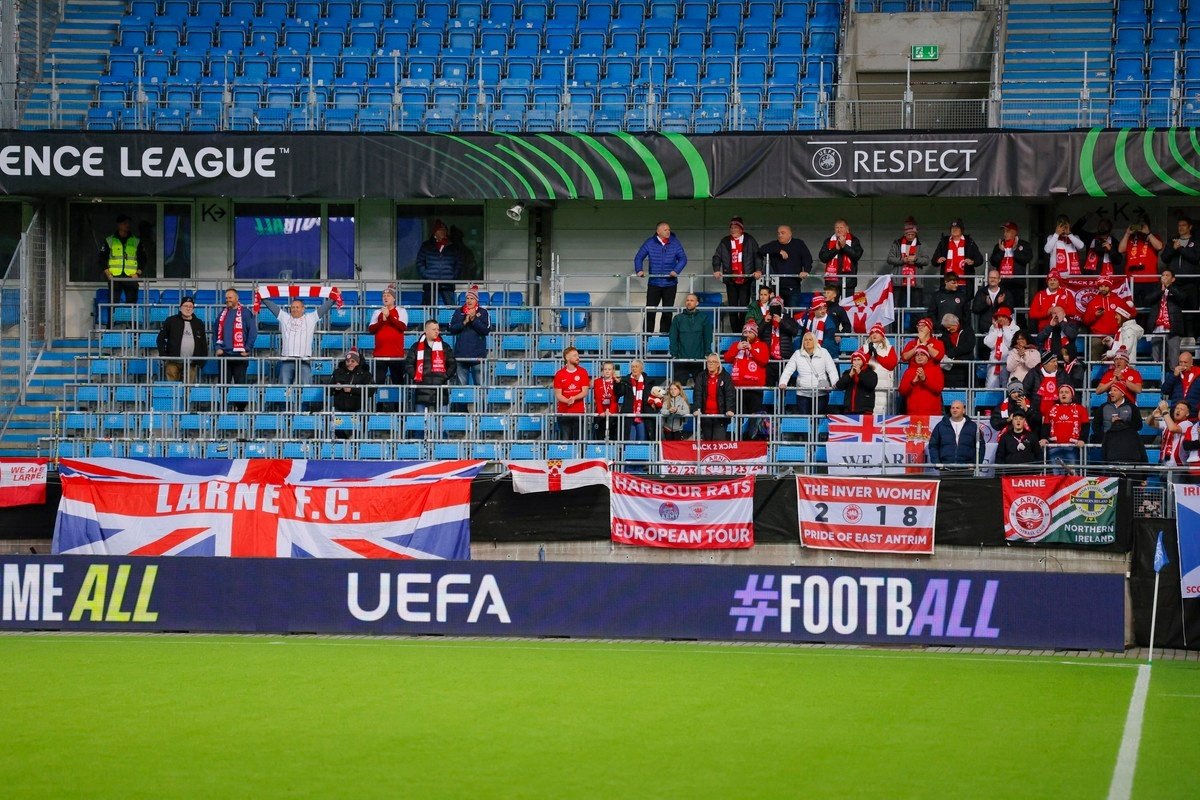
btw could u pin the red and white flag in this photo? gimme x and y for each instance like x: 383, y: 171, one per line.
x: 878, y: 307
x: 557, y: 475
x: 869, y: 515
x: 22, y: 481
x: 1086, y: 287
x: 282, y: 290
x: 688, y: 516
x: 714, y: 458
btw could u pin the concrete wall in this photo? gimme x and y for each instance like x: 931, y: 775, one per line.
x: 882, y: 42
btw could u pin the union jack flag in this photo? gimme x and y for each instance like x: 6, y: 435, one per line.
x: 867, y: 428
x: 265, y: 508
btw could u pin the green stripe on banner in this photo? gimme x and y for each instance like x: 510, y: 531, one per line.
x: 511, y: 191
x: 593, y: 178
x: 471, y: 175
x: 1148, y: 152
x: 652, y: 166
x: 1177, y: 154
x: 701, y: 185
x: 528, y: 188
x: 572, y: 192
x: 529, y: 165
x: 613, y: 162
x: 1087, y: 166
x: 1123, y: 167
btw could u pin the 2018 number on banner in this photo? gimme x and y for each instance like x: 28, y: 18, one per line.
x: 878, y: 515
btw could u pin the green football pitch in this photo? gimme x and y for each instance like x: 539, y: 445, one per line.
x: 261, y: 716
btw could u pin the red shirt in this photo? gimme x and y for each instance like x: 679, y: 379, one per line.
x: 571, y: 382
x: 749, y: 367
x: 1141, y: 260
x: 1066, y: 421
x: 1128, y: 375
x: 710, y: 397
x: 604, y: 395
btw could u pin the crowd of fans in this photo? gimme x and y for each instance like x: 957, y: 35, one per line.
x: 974, y: 332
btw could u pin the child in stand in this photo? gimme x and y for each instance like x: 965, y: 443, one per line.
x: 675, y: 411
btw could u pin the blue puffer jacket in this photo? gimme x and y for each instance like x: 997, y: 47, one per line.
x: 943, y: 449
x: 664, y: 259
x: 470, y: 338
x: 438, y: 266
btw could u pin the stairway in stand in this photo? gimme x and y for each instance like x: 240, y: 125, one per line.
x: 33, y: 422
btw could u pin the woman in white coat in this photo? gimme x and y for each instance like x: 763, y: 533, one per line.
x: 884, y: 359
x: 815, y: 372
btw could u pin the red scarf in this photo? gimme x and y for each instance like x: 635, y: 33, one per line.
x: 1138, y: 253
x: 909, y: 271
x: 1170, y: 453
x: 998, y: 354
x: 1094, y: 259
x: 776, y: 352
x: 1066, y: 258
x: 956, y: 255
x: 817, y: 326
x: 239, y: 329
x: 438, y: 367
x: 839, y: 263
x: 1187, y: 379
x: 858, y: 318
x: 1006, y: 261
x: 638, y: 385
x: 736, y: 263
x: 710, y: 398
x: 1164, y: 317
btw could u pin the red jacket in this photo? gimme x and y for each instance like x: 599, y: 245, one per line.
x: 923, y: 397
x: 937, y: 350
x: 1101, y: 316
x: 1043, y: 301
x: 751, y: 368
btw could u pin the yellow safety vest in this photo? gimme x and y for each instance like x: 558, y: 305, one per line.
x: 122, y: 256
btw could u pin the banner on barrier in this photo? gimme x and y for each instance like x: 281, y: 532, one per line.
x: 656, y: 601
x: 557, y: 475
x: 22, y: 481
x: 1060, y: 508
x: 265, y: 508
x: 689, y: 516
x: 867, y: 515
x: 690, y: 457
x: 1187, y: 519
x: 865, y: 444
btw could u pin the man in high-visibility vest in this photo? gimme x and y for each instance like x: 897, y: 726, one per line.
x: 121, y: 259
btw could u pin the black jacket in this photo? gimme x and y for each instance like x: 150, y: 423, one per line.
x: 725, y: 392
x: 429, y: 397
x: 983, y: 310
x: 170, y: 336
x: 342, y: 377
x: 959, y: 371
x: 799, y: 257
x: 1022, y: 255
x: 722, y: 260
x: 970, y: 251
x: 860, y: 390
x: 848, y: 257
x: 1185, y: 260
x: 946, y: 302
x: 1022, y: 448
x: 789, y: 329
x: 1115, y: 258
x: 1122, y: 442
x: 1175, y: 300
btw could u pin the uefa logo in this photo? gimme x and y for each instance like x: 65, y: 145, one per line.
x: 827, y: 162
x: 668, y: 512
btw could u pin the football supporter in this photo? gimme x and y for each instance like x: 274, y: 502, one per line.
x: 1121, y: 374
x: 1022, y: 356
x: 430, y: 362
x: 470, y: 325
x: 747, y: 361
x: 991, y: 297
x: 1041, y: 385
x: 675, y: 412
x: 1052, y: 305
x: 636, y: 403
x: 388, y: 325
x: 571, y: 384
x: 297, y: 330
x: 1065, y: 428
x: 1015, y: 399
x: 735, y: 263
x: 1181, y: 255
x: 922, y: 383
x: 714, y: 400
x: 956, y: 252
x: 926, y: 339
x: 1010, y: 258
x: 1176, y: 427
x: 840, y: 254
x: 691, y: 337
x: 1104, y: 316
x: 1103, y: 254
x: 1064, y: 249
x: 907, y: 257
x: 666, y: 258
x: 955, y: 439
x: 958, y: 343
x: 234, y: 337
x: 1018, y: 444
x: 816, y: 374
x: 1165, y: 319
x: 1121, y: 425
x: 859, y: 384
x: 347, y: 387
x: 952, y: 298
x: 778, y: 332
x: 788, y: 259
x: 182, y: 337
x: 1140, y: 248
x: 760, y: 307
x: 606, y: 399
x: 823, y: 326
x: 1181, y: 385
x: 883, y: 359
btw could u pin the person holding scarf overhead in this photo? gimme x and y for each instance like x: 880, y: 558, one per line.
x: 430, y: 364
x: 840, y: 255
x: 736, y: 263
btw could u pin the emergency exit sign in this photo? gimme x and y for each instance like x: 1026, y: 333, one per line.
x: 925, y: 52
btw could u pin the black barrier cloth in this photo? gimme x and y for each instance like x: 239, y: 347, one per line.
x: 1173, y: 611
x: 970, y: 512
x: 619, y: 166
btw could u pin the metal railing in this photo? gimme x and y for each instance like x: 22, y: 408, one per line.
x: 23, y: 309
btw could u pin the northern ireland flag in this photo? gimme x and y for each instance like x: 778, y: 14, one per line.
x: 557, y: 475
x: 22, y: 481
x: 265, y: 508
x: 875, y: 304
x: 693, y: 516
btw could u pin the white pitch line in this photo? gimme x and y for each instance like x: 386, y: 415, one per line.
x: 1121, y: 787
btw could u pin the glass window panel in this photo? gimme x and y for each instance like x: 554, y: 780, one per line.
x: 177, y: 241
x: 277, y: 241
x: 340, y: 261
x: 92, y: 223
x: 414, y: 225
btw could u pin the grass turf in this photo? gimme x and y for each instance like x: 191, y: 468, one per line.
x: 212, y: 716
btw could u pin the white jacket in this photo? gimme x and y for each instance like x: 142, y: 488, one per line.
x: 810, y: 369
x: 887, y: 377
